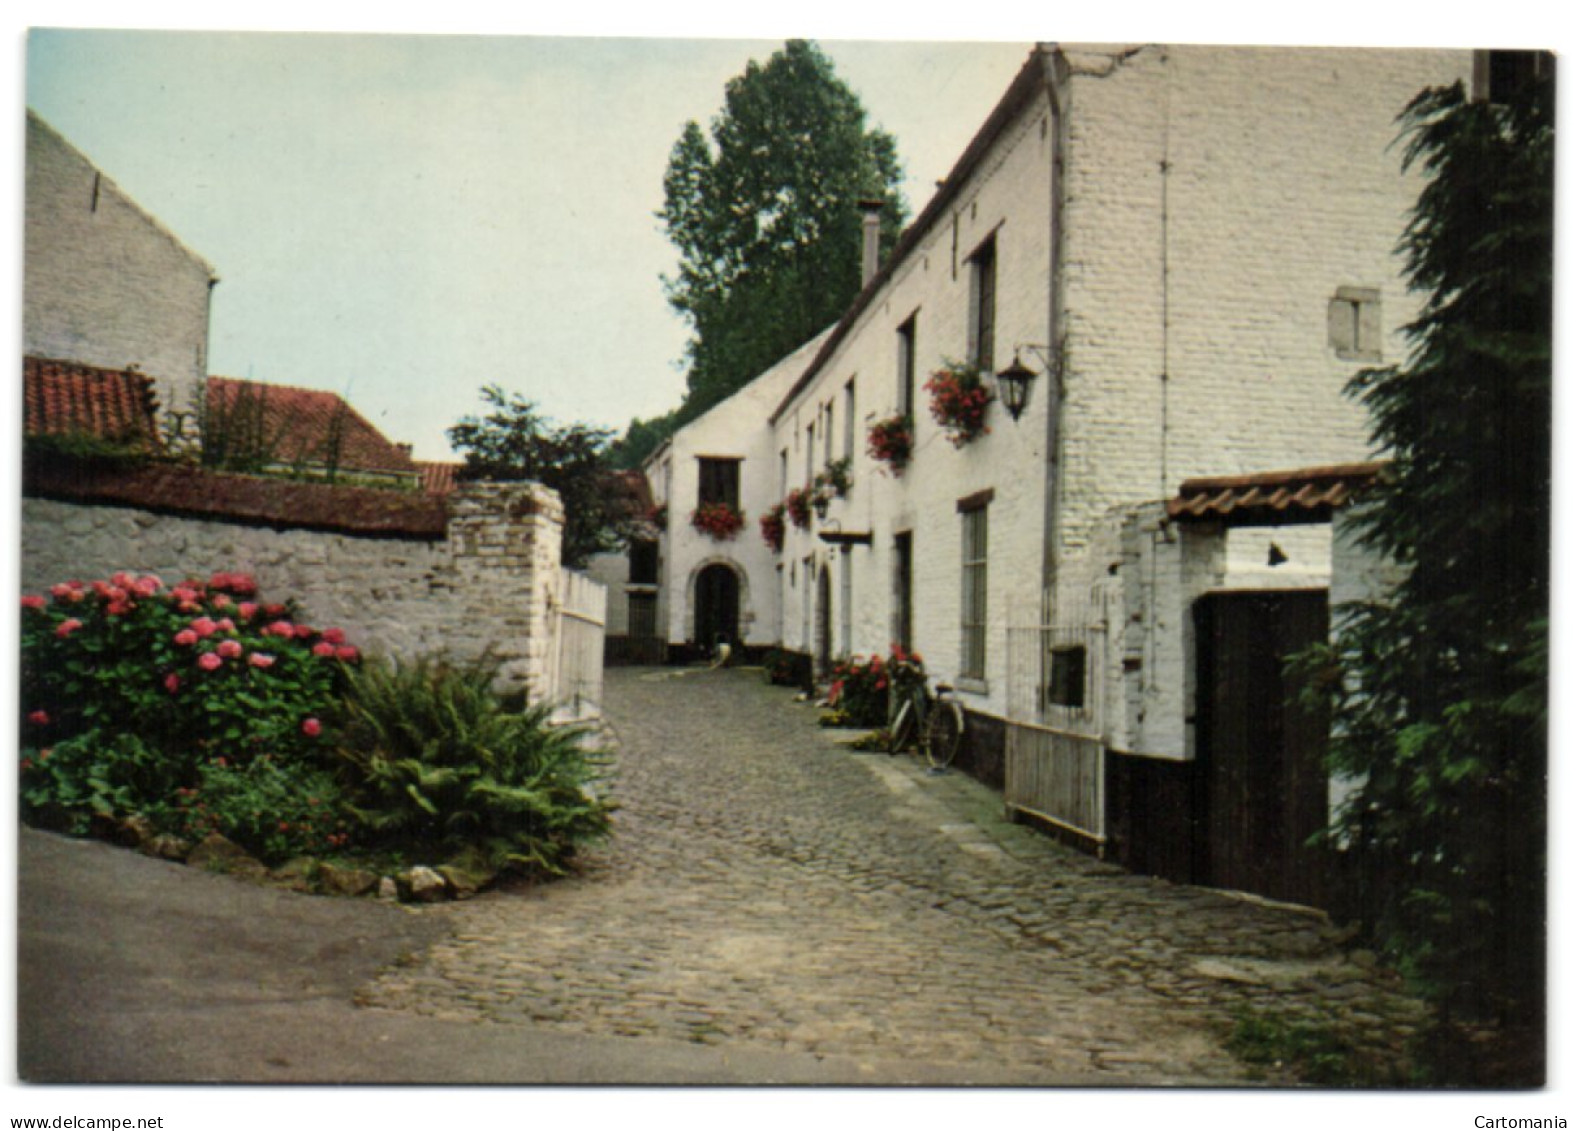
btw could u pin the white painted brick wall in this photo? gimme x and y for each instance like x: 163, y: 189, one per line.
x: 105, y: 284
x: 1280, y: 185
x: 735, y: 427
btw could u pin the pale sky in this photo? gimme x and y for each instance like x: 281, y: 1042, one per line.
x: 401, y: 219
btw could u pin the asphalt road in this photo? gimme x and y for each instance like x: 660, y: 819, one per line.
x: 132, y: 970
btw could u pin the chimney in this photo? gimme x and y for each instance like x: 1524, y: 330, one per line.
x: 870, y: 238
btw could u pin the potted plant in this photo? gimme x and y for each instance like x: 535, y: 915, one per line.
x: 772, y: 524
x: 959, y: 399
x: 891, y: 441
x: 718, y: 521
x: 798, y: 506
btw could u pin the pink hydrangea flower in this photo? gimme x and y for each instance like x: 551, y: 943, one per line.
x: 323, y: 648
x: 225, y: 624
x: 347, y: 653
x: 205, y: 626
x: 39, y: 718
x: 186, y: 638
x: 208, y: 661
x: 334, y: 635
x: 221, y: 601
x: 230, y: 649
x: 312, y: 728
x: 118, y: 608
x: 247, y: 609
x: 303, y: 632
x: 261, y: 660
x: 147, y: 586
x: 32, y: 601
x: 280, y: 628
x: 172, y: 683
x: 66, y: 627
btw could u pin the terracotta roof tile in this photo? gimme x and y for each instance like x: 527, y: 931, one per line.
x: 438, y: 478
x: 1273, y: 497
x: 306, y: 425
x: 259, y: 500
x: 62, y: 398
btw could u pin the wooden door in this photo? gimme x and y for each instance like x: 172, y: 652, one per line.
x: 1262, y: 778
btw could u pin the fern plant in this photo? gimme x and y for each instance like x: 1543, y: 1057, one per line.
x: 439, y: 764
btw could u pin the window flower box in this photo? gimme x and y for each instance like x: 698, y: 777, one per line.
x: 798, y: 506
x: 718, y: 521
x: 959, y: 399
x: 891, y: 441
x: 772, y: 524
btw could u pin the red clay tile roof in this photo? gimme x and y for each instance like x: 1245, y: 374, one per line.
x: 303, y: 425
x: 62, y: 398
x: 257, y: 500
x: 438, y: 478
x: 1274, y: 497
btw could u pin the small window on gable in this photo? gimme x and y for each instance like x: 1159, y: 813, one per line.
x: 1353, y: 323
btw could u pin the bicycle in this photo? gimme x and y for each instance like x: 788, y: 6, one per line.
x: 937, y: 720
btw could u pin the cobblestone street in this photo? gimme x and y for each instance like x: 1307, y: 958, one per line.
x: 769, y: 888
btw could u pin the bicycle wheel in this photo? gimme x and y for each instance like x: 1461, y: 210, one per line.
x: 944, y: 731
x: 901, y: 732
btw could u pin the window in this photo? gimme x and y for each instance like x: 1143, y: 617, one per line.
x: 1498, y: 74
x: 846, y: 601
x: 719, y: 481
x: 1353, y: 323
x: 643, y: 615
x: 906, y: 351
x: 849, y: 421
x: 643, y: 562
x: 783, y: 473
x: 810, y: 452
x: 983, y: 305
x: 903, y: 589
x: 1066, y: 677
x: 827, y: 433
x: 972, y: 604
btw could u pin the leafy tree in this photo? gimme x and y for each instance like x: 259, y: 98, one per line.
x: 765, y: 216
x: 514, y: 441
x: 641, y: 439
x: 1441, y: 709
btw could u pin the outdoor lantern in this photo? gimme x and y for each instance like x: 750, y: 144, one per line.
x: 1013, y: 385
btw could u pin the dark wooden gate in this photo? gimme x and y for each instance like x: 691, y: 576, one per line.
x: 1262, y: 785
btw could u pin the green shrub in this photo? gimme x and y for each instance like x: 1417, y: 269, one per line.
x: 273, y: 809
x: 438, y: 764
x: 65, y: 786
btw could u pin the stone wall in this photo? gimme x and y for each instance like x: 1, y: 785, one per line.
x: 485, y: 581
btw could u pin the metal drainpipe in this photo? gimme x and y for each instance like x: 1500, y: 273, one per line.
x: 1055, y: 67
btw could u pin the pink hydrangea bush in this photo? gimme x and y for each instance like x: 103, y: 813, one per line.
x: 189, y: 676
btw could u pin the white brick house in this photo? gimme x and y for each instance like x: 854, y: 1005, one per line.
x: 710, y: 587
x: 1193, y: 249
x: 104, y: 283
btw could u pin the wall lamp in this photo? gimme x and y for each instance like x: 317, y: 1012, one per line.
x: 1013, y: 383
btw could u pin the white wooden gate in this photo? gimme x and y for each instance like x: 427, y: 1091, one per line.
x: 1055, y: 759
x: 576, y: 673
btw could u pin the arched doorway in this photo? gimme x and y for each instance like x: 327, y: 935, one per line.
x: 717, y: 606
x: 824, y: 619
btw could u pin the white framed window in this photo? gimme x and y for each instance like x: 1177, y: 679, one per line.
x: 983, y: 305
x: 973, y: 528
